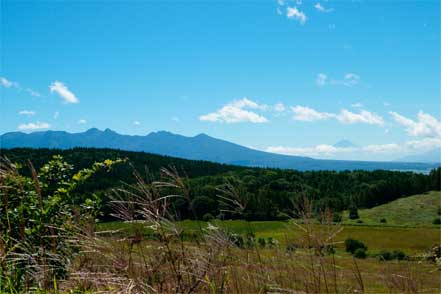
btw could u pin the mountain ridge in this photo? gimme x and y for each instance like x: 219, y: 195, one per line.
x: 198, y: 147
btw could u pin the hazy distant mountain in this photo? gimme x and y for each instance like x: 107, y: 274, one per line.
x: 345, y: 144
x: 433, y: 156
x: 200, y: 147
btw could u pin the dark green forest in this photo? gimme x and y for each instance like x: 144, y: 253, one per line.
x: 265, y: 194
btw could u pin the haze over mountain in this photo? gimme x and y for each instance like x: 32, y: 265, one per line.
x: 200, y: 147
x: 345, y: 144
x: 429, y: 156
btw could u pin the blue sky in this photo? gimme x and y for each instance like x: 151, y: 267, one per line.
x: 292, y: 77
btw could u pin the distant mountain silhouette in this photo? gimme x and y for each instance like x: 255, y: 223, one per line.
x: 433, y: 156
x: 200, y: 147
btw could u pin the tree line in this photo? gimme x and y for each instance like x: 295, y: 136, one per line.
x: 262, y: 193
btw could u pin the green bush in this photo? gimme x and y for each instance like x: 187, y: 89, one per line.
x: 39, y: 217
x: 262, y: 242
x: 437, y: 221
x: 336, y: 218
x: 398, y: 255
x: 353, y: 212
x: 207, y: 217
x: 352, y: 245
x: 360, y: 253
x: 385, y: 255
x: 383, y: 220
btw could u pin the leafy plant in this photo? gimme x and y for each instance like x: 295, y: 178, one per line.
x: 352, y: 245
x: 41, y: 221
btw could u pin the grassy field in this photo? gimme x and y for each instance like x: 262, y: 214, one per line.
x: 409, y: 240
x: 257, y: 269
x: 416, y: 210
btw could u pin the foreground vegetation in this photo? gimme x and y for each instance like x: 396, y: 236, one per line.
x: 49, y: 241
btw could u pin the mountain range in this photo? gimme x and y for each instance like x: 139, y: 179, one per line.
x: 199, y: 147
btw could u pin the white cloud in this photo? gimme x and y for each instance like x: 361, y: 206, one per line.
x: 320, y: 8
x: 136, y: 123
x: 357, y: 105
x: 351, y: 79
x: 82, y: 122
x: 384, y: 151
x: 7, y: 83
x: 424, y: 144
x: 386, y: 104
x: 63, y: 91
x: 279, y: 107
x: 26, y: 112
x: 34, y: 126
x: 294, y: 13
x: 236, y: 112
x: 425, y: 125
x: 364, y: 116
x: 322, y: 150
x: 33, y: 93
x: 321, y: 79
x: 348, y: 80
x: 304, y: 113
x: 281, y: 2
x: 56, y: 114
x: 384, y: 148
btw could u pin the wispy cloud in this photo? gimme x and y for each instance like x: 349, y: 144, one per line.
x: 82, y: 122
x: 26, y: 112
x: 425, y: 125
x: 294, y: 13
x: 136, y: 123
x: 235, y: 112
x: 357, y: 105
x: 364, y: 116
x: 34, y: 126
x: 321, y: 79
x: 321, y: 8
x: 33, y: 93
x: 7, y: 83
x: 348, y: 80
x: 64, y: 92
x: 304, y: 113
x: 389, y: 150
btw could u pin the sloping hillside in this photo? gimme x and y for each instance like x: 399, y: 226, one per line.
x: 416, y: 210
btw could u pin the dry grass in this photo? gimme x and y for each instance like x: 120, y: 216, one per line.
x: 213, y: 264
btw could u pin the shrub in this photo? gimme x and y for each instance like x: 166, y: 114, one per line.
x: 385, y: 255
x: 329, y: 249
x: 207, y: 217
x: 261, y: 242
x: 398, y: 255
x: 359, y: 221
x: 383, y: 220
x: 353, y: 212
x: 336, y: 218
x: 360, y: 253
x: 437, y: 221
x: 237, y: 240
x: 352, y: 245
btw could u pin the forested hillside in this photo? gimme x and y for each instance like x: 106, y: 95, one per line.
x: 266, y: 194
